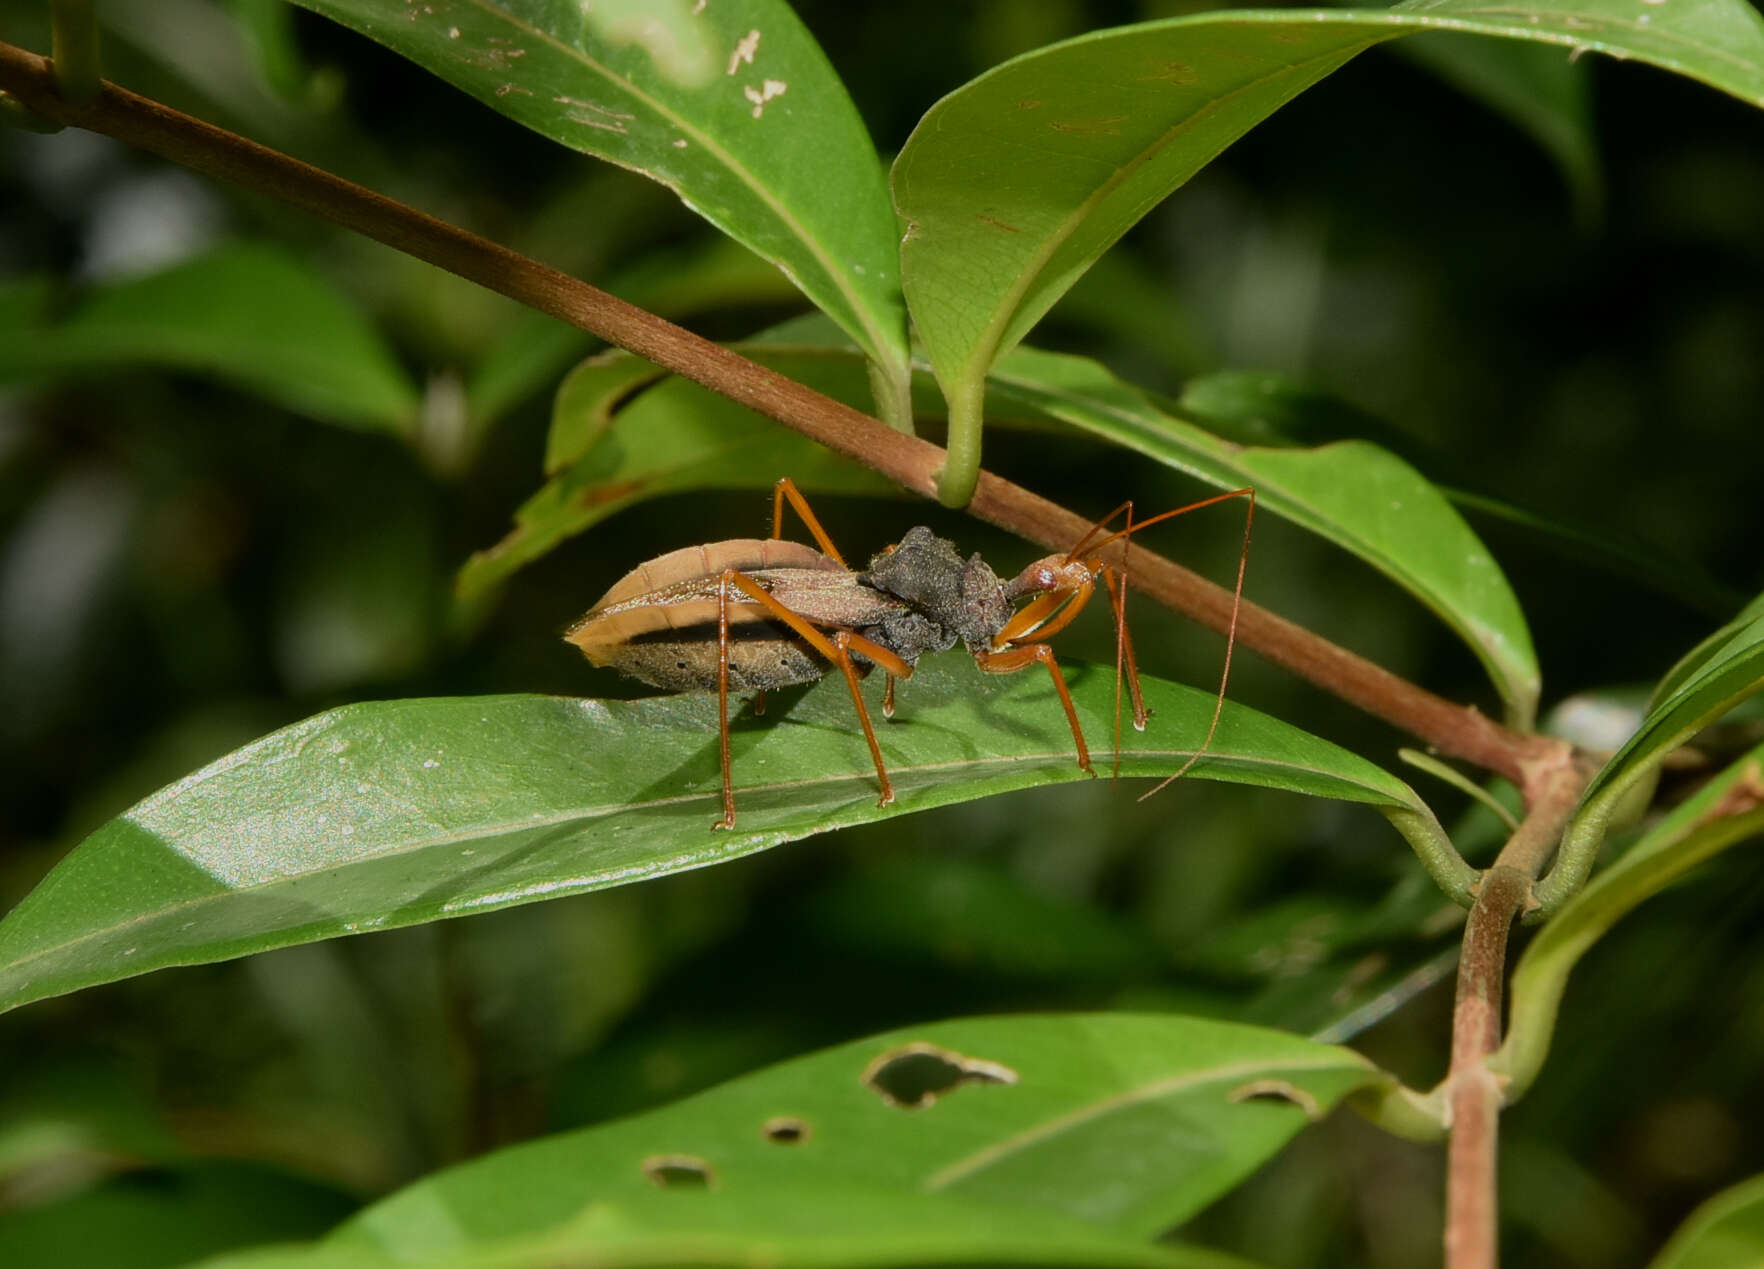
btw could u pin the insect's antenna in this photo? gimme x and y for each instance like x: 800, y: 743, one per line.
x: 1135, y: 527
x: 1119, y: 595
x: 1084, y: 542
x: 1230, y: 634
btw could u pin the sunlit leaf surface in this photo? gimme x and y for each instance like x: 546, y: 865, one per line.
x: 398, y: 812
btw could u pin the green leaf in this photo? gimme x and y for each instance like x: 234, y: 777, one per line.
x: 732, y: 105
x: 1726, y: 674
x: 389, y: 814
x: 1013, y: 184
x: 248, y: 313
x: 1354, y: 493
x: 1699, y: 656
x: 809, y: 1223
x: 1118, y: 1123
x: 1724, y: 813
x: 673, y: 437
x: 1725, y: 1231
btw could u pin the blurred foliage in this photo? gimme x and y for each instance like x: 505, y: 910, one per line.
x: 185, y: 564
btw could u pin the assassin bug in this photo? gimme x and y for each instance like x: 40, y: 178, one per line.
x: 749, y: 615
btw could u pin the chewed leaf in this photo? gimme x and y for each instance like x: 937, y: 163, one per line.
x: 1119, y: 1123
x: 400, y: 812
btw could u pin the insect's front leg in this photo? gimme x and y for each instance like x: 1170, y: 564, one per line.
x: 1010, y: 660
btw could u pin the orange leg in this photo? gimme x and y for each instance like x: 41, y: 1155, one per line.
x: 1047, y: 615
x: 1010, y: 660
x: 1124, y: 658
x: 1085, y: 546
x: 786, y: 488
x: 838, y: 650
x: 1230, y: 637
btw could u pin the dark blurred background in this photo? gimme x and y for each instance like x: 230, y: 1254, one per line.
x: 1561, y: 305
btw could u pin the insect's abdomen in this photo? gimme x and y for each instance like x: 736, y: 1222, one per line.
x: 690, y: 665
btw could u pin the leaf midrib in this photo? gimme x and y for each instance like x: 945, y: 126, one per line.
x: 773, y: 837
x: 960, y: 1170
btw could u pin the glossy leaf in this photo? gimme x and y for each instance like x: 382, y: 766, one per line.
x: 1354, y: 493
x: 247, y: 313
x: 1727, y: 1230
x: 1116, y: 1122
x: 673, y: 437
x: 807, y: 1224
x: 395, y: 813
x: 1725, y: 812
x: 1014, y: 183
x: 1727, y: 674
x: 732, y: 105
x: 1699, y: 656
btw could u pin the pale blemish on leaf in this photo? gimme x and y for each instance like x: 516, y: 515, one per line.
x: 745, y: 48
x: 591, y: 115
x: 760, y: 96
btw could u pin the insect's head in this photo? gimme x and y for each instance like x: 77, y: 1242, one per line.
x: 1048, y: 574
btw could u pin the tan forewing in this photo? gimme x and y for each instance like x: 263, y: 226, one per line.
x: 678, y: 592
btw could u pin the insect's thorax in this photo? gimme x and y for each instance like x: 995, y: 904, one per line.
x: 952, y: 598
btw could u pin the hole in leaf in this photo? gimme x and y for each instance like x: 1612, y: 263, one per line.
x: 915, y: 1075
x: 786, y: 1130
x: 679, y: 1172
x: 1277, y: 1091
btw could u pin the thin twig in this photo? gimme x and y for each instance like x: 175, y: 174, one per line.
x: 1473, y: 1092
x: 1453, y: 729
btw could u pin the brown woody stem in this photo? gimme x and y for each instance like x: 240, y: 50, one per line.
x: 1454, y: 729
x: 1473, y: 1092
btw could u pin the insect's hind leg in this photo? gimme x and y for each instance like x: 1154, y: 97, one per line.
x: 786, y: 489
x: 838, y: 650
